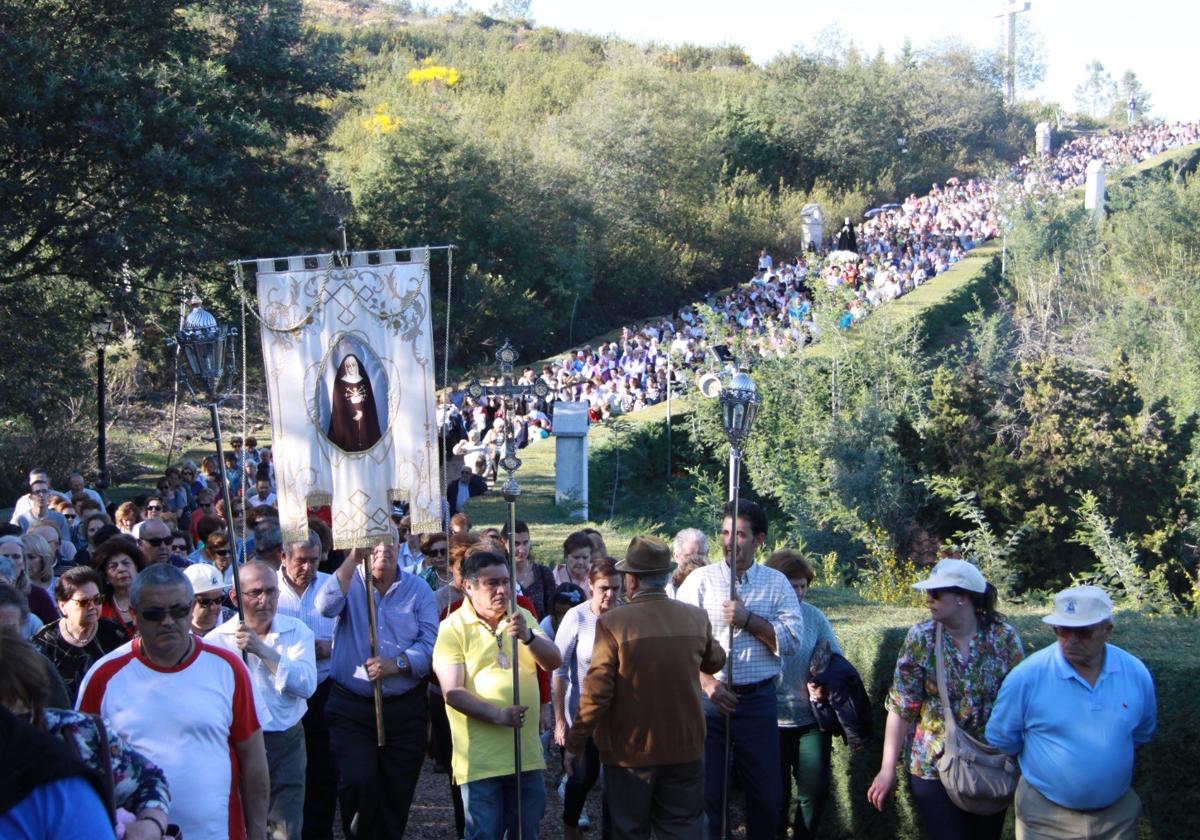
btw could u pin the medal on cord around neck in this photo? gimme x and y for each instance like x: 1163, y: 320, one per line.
x: 501, y: 657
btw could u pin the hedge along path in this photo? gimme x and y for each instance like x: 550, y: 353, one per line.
x: 871, y: 635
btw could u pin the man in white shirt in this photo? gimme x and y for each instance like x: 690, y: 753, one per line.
x: 22, y: 505
x: 263, y: 497
x: 283, y: 669
x: 298, y: 587
x: 764, y: 624
x: 38, y: 508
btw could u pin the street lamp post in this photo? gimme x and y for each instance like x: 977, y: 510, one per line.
x: 101, y: 329
x: 209, y: 362
x: 739, y: 402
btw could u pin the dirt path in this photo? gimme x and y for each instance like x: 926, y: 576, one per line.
x: 432, y: 816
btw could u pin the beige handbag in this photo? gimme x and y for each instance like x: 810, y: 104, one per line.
x: 977, y: 777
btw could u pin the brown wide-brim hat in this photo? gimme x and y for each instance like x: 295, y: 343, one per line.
x: 647, y: 556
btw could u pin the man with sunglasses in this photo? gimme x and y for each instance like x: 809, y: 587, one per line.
x: 189, y: 707
x: 1074, y: 713
x: 22, y: 505
x: 38, y: 508
x: 154, y: 539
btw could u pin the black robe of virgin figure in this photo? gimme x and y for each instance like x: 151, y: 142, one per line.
x: 353, y: 419
x: 847, y: 239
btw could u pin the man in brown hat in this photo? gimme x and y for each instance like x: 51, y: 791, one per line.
x: 641, y: 698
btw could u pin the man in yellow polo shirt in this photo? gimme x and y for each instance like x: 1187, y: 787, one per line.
x: 473, y: 662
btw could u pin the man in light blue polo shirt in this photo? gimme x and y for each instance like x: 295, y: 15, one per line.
x: 1073, y: 713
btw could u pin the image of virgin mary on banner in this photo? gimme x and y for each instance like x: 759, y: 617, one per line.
x: 348, y: 356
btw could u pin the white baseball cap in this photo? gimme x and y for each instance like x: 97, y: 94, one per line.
x: 204, y: 577
x: 1080, y: 606
x: 952, y: 572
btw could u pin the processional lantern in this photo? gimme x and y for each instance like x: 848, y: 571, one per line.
x: 739, y: 405
x: 206, y: 353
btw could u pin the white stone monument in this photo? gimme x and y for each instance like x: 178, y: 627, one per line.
x: 571, y: 456
x: 1093, y: 196
x: 1043, y: 139
x: 812, y: 226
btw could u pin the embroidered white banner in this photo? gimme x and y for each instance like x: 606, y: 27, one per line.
x: 348, y: 356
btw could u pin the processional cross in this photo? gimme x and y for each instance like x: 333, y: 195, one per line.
x: 508, y: 391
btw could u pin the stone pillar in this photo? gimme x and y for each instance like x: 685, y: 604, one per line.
x: 1093, y: 196
x: 1043, y: 139
x: 571, y: 456
x: 812, y: 226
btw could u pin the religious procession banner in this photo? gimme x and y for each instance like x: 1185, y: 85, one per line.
x: 348, y: 356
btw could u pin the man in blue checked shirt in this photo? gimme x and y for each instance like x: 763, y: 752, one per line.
x: 766, y: 624
x: 377, y: 783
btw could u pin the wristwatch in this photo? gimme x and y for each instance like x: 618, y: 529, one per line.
x: 402, y: 663
x: 528, y: 641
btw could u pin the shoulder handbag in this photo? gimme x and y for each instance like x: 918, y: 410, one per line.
x: 977, y: 777
x: 101, y: 763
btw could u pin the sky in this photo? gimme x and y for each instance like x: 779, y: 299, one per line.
x: 1153, y: 38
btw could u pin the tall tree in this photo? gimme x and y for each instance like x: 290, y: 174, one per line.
x: 1097, y: 92
x: 142, y: 138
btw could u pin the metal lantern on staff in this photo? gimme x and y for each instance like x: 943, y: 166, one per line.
x: 739, y: 402
x: 208, y: 369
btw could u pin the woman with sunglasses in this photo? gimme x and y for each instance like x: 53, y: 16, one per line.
x: 154, y: 507
x: 218, y: 552
x: 81, y: 636
x: 118, y: 560
x: 435, y: 551
x: 209, y: 593
x: 979, y: 649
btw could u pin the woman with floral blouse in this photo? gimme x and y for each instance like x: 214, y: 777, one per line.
x: 979, y: 650
x: 139, y: 786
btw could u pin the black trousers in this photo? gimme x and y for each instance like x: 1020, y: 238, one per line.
x: 377, y: 783
x: 320, y: 776
x: 943, y: 820
x: 441, y: 748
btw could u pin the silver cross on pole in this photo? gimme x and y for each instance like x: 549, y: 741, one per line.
x: 508, y: 390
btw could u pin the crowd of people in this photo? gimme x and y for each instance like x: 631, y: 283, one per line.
x: 268, y: 723
x: 262, y: 710
x: 894, y: 250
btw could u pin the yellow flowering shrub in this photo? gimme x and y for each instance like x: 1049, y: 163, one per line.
x: 430, y: 72
x: 381, y: 121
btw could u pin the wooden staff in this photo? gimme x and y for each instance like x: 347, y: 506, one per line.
x: 380, y: 735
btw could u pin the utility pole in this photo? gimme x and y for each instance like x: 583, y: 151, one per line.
x: 1010, y: 10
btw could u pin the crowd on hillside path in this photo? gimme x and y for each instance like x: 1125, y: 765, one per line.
x: 895, y: 249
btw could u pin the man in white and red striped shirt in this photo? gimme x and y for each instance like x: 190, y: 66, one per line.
x: 189, y: 707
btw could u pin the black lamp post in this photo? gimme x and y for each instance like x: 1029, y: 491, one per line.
x: 208, y: 367
x: 101, y: 329
x: 739, y: 405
